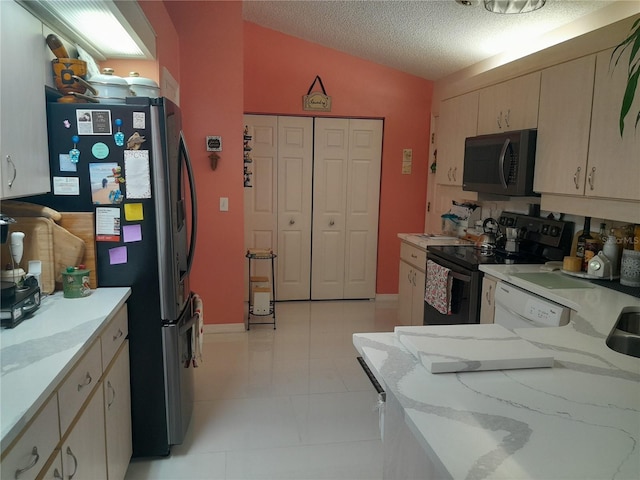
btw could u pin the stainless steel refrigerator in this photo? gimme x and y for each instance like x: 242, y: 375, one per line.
x: 129, y: 164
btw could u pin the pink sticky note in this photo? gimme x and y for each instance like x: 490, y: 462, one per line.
x: 118, y: 255
x: 132, y: 233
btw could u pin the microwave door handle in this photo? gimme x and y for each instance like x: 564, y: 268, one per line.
x: 503, y: 180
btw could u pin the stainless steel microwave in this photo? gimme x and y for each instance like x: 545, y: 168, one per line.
x: 501, y: 163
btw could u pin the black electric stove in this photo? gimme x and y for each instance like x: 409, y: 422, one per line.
x: 540, y: 240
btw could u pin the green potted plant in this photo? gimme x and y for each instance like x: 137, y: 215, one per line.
x: 633, y: 72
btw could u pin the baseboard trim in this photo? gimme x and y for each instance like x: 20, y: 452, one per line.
x: 387, y: 297
x: 224, y: 328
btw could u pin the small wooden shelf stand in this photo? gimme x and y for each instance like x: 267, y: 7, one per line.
x: 258, y: 255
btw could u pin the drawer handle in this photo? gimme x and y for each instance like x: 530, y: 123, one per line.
x: 87, y: 381
x: 36, y: 457
x: 75, y: 462
x: 118, y: 335
x: 413, y: 255
x: 56, y: 474
x: 113, y: 394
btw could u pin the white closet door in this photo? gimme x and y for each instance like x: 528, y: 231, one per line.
x: 362, y: 207
x: 331, y: 154
x: 260, y: 201
x: 295, y: 170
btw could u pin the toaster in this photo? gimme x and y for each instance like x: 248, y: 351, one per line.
x: 600, y: 266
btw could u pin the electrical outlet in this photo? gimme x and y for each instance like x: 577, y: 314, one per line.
x: 224, y: 204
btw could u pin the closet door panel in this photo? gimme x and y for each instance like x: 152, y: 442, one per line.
x: 260, y: 201
x: 295, y: 170
x: 362, y: 207
x: 331, y: 150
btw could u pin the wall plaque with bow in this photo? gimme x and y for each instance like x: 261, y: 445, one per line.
x: 316, y: 101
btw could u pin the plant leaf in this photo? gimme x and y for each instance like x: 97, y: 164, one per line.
x: 627, y: 100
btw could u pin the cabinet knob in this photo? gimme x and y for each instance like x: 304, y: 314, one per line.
x: 15, y: 171
x: 591, y: 178
x: 35, y: 457
x: 576, y: 178
x: 75, y: 462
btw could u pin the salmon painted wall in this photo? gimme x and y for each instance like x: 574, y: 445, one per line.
x: 278, y: 70
x: 211, y: 99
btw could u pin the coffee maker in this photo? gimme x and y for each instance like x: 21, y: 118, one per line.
x: 513, y: 236
x: 20, y: 296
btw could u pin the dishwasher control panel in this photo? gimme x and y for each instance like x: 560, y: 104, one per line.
x: 517, y: 308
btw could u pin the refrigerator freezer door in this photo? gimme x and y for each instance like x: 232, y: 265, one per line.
x: 178, y: 371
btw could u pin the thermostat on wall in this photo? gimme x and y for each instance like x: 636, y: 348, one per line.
x: 214, y: 144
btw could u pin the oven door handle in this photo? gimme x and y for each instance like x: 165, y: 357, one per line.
x: 459, y: 276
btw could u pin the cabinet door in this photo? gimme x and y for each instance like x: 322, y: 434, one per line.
x: 458, y: 120
x: 295, y: 171
x: 405, y: 293
x: 510, y: 105
x: 417, y: 309
x: 613, y: 169
x: 117, y: 402
x: 30, y: 453
x: 24, y: 154
x: 564, y: 122
x: 487, y: 306
x: 84, y: 449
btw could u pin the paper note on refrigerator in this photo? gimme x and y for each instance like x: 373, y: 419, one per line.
x: 117, y: 255
x: 136, y: 170
x: 133, y: 212
x: 131, y: 233
x: 107, y: 224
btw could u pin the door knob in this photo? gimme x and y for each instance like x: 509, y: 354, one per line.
x: 292, y: 221
x: 332, y: 223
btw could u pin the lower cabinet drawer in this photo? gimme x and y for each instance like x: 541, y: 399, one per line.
x: 79, y: 384
x: 30, y: 453
x: 413, y: 255
x: 113, y: 336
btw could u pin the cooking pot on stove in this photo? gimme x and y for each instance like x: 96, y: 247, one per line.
x: 488, y: 239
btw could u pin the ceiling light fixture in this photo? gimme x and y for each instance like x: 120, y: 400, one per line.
x: 513, y: 6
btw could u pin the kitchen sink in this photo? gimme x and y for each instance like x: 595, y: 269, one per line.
x: 625, y: 337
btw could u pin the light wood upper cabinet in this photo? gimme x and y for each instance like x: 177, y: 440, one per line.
x: 614, y: 161
x: 510, y: 105
x: 24, y: 154
x: 458, y: 120
x: 563, y: 127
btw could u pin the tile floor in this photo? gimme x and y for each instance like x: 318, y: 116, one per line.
x: 291, y: 403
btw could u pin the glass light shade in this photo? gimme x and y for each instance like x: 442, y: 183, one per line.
x: 513, y: 6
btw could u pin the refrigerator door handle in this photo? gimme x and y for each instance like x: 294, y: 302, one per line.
x: 194, y: 204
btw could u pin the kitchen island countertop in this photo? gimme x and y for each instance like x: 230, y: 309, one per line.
x: 37, y: 354
x: 577, y: 420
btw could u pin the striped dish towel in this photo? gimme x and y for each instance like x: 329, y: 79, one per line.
x: 438, y: 289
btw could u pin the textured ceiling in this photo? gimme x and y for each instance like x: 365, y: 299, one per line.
x: 427, y: 38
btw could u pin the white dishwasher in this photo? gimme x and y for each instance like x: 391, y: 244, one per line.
x: 517, y: 308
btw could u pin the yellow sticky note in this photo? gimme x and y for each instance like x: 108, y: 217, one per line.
x: 133, y: 211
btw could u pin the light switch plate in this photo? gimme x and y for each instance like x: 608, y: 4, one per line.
x: 214, y: 144
x: 224, y: 204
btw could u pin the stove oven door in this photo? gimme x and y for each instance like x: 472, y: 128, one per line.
x: 465, y: 296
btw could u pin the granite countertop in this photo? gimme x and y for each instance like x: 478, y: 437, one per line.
x: 577, y: 420
x: 423, y: 240
x: 36, y: 355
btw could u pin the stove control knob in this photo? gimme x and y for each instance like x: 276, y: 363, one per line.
x: 545, y: 229
x: 554, y: 232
